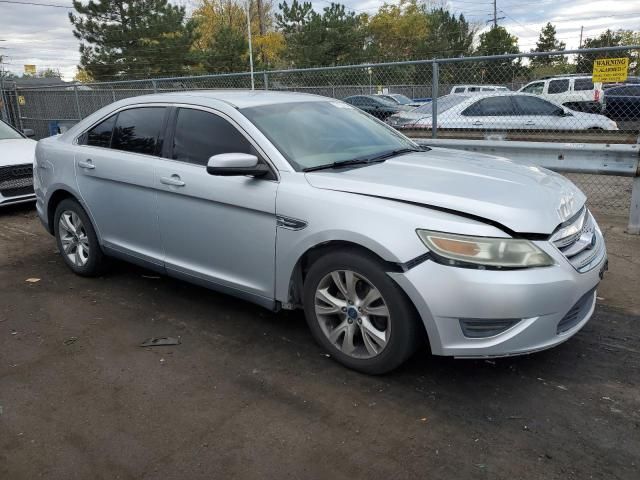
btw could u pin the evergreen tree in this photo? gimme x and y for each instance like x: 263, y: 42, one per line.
x: 498, y: 41
x: 448, y: 36
x: 226, y: 52
x: 334, y: 37
x: 132, y: 39
x: 605, y: 39
x: 547, y: 42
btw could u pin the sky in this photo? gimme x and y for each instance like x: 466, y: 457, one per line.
x: 43, y: 36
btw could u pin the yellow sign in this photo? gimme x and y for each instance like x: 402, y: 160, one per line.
x: 610, y: 70
x: 21, y: 100
x: 30, y: 69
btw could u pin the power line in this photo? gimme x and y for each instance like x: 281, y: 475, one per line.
x: 37, y: 4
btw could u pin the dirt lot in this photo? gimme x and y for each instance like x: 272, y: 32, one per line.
x: 249, y: 395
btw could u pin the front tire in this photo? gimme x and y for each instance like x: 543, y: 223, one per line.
x: 77, y: 240
x: 358, y: 313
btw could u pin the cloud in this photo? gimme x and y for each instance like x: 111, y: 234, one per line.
x: 43, y: 35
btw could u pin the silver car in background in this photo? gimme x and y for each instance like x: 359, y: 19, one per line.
x: 299, y: 201
x: 500, y: 111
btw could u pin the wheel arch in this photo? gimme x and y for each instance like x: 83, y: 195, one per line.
x: 311, y: 254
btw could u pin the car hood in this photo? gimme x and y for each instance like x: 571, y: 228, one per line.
x: 524, y: 199
x: 16, y: 152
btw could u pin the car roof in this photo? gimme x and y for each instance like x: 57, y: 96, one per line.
x: 238, y: 98
x: 478, y: 85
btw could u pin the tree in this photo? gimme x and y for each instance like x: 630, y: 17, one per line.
x: 608, y: 38
x: 334, y: 37
x: 226, y: 51
x: 547, y: 42
x: 498, y: 41
x: 220, y: 19
x: 399, y: 31
x: 49, y: 73
x: 132, y: 38
x: 448, y: 36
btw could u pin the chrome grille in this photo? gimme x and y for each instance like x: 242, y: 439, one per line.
x: 581, y: 241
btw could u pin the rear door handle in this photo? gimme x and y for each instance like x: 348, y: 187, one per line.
x: 477, y: 122
x: 87, y: 165
x: 530, y: 122
x: 173, y: 180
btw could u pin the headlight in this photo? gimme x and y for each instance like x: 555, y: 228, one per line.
x: 484, y: 251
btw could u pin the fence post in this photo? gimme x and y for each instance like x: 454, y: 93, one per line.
x: 634, y: 208
x: 113, y: 93
x: 155, y: 87
x: 434, y: 100
x: 15, y: 92
x: 5, y: 114
x: 75, y: 90
x: 265, y: 78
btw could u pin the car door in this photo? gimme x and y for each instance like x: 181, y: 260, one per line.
x: 535, y: 88
x: 491, y: 113
x: 220, y: 230
x: 115, y: 173
x: 539, y: 114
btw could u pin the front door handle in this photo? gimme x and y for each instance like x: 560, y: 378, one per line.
x: 88, y: 165
x: 530, y: 122
x: 477, y: 123
x: 173, y: 180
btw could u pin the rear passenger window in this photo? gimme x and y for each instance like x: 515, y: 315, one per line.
x: 200, y: 135
x: 100, y: 135
x: 558, y: 86
x: 492, y: 106
x: 459, y: 90
x: 582, y: 84
x: 138, y: 130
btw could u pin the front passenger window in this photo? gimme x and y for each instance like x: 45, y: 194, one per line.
x: 200, y: 135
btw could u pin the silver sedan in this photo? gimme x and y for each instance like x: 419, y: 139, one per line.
x: 299, y: 201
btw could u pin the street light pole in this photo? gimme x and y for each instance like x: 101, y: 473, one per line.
x: 250, y: 46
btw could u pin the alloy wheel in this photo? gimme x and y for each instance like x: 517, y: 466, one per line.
x: 73, y: 238
x: 352, y: 314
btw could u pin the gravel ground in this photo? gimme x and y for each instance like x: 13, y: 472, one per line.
x: 248, y: 394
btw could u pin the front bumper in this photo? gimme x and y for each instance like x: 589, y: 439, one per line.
x: 539, y: 299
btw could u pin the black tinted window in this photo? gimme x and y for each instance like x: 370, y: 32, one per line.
x: 492, y: 106
x: 582, y: 84
x: 459, y: 90
x: 138, y: 130
x: 100, y: 135
x: 625, y: 91
x: 535, y: 106
x: 200, y: 135
x: 558, y: 86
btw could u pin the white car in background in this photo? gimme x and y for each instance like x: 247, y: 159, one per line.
x: 500, y: 111
x: 478, y: 88
x: 16, y: 166
x: 576, y: 92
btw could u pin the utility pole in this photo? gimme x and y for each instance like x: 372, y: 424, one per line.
x: 253, y: 86
x: 581, y: 30
x: 495, y: 15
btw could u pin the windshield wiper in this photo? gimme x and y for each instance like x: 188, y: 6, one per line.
x: 362, y: 160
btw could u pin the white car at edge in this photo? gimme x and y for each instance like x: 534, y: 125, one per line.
x: 16, y: 166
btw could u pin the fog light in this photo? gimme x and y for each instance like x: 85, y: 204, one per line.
x: 484, y: 328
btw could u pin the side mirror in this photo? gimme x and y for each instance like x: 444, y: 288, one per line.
x: 29, y: 133
x: 236, y: 164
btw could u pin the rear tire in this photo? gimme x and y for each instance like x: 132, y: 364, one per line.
x: 77, y: 240
x: 358, y: 313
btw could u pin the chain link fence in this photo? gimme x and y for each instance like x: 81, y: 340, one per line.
x: 548, y: 97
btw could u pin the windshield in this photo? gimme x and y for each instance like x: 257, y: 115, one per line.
x: 401, y: 98
x: 444, y: 104
x: 310, y: 134
x: 8, y: 133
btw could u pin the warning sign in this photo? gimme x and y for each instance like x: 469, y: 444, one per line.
x: 609, y: 70
x: 21, y: 100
